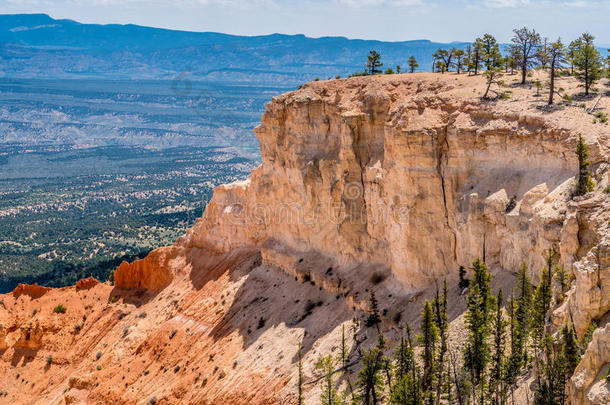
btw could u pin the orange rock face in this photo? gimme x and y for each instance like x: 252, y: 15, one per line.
x: 86, y: 283
x: 151, y: 272
x: 33, y: 290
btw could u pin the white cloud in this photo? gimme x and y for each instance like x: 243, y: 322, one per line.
x: 377, y: 3
x: 592, y: 4
x: 580, y: 4
x: 151, y: 3
x: 505, y: 3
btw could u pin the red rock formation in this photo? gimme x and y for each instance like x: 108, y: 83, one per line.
x: 86, y: 283
x: 32, y: 290
x: 152, y: 272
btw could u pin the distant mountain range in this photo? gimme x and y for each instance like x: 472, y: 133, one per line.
x: 36, y: 45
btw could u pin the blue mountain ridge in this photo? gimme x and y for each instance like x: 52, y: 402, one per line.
x: 37, y: 45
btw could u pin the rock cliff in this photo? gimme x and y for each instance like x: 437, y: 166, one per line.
x: 393, y: 182
x: 406, y: 174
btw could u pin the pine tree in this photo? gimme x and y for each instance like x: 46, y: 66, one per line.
x: 587, y: 61
x: 468, y: 58
x: 403, y: 358
x: 515, y: 56
x: 492, y: 76
x: 442, y: 323
x: 515, y: 359
x: 413, y: 64
x: 543, y: 54
x: 557, y: 57
x: 538, y: 85
x: 374, y: 318
x: 428, y: 337
x: 490, y: 52
x: 585, y: 183
x: 458, y: 54
x: 445, y: 58
x: 571, y: 350
x: 415, y: 373
x: 386, y: 364
x: 373, y: 64
x: 405, y: 390
x: 497, y: 378
x: 542, y: 300
x: 479, y: 304
x: 560, y: 358
x: 571, y: 54
x: 526, y: 42
x: 549, y: 376
x: 370, y: 382
x: 477, y: 50
x: 563, y: 279
x: 492, y: 59
x: 520, y: 323
x: 326, y: 366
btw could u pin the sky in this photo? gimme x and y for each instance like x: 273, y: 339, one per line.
x: 388, y: 20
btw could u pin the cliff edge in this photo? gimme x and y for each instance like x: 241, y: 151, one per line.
x: 387, y: 183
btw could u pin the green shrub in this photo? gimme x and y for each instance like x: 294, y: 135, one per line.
x: 603, y: 118
x: 59, y: 309
x: 588, y: 336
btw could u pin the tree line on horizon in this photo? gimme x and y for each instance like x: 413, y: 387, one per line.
x: 528, y: 50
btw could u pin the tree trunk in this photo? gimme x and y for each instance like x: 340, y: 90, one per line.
x: 485, y: 96
x: 586, y: 81
x: 552, y: 83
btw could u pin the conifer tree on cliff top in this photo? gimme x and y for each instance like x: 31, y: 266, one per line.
x: 587, y: 61
x: 556, y: 58
x: 413, y: 64
x: 373, y: 64
x: 526, y: 44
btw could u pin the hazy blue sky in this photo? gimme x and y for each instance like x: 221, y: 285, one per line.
x: 393, y: 20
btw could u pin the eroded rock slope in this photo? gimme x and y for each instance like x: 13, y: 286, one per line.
x: 389, y: 183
